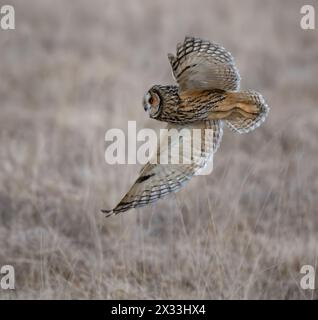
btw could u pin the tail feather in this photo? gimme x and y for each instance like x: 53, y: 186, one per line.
x: 250, y: 111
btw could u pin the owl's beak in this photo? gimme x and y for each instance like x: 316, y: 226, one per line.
x: 145, y: 101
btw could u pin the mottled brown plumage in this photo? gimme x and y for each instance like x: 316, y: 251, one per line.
x: 206, y: 96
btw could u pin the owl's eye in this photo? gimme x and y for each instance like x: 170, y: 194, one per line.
x: 152, y: 103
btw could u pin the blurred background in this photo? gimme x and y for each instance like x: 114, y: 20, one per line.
x: 72, y: 70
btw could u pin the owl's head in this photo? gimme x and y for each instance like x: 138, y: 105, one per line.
x: 152, y: 102
x: 159, y: 99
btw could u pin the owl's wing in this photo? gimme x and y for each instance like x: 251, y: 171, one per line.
x: 161, y: 176
x: 202, y: 65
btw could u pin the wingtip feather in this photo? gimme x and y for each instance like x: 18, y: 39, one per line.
x: 108, y: 212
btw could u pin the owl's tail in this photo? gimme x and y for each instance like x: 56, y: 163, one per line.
x: 243, y: 111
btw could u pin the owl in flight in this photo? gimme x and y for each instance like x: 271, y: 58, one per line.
x: 207, y: 95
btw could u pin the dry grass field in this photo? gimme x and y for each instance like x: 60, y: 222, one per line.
x: 72, y: 70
